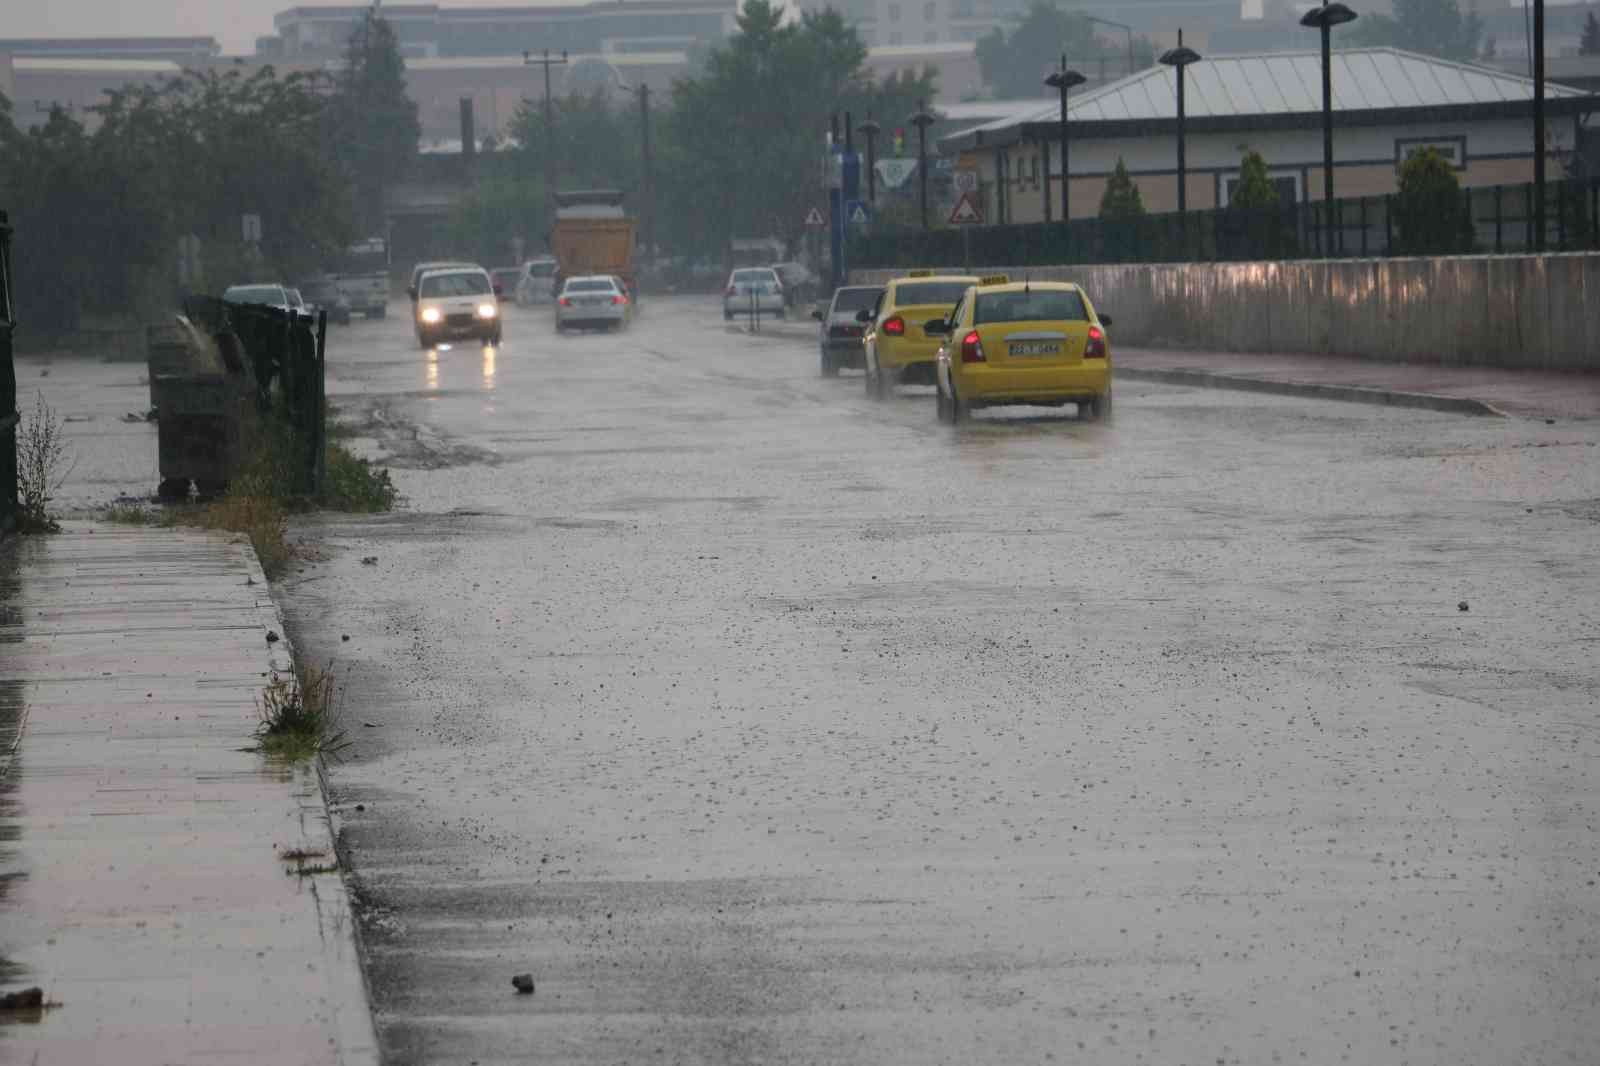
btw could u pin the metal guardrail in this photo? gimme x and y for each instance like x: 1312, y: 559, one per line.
x: 9, y: 417
x: 1496, y: 218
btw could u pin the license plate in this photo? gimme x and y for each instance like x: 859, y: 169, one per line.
x: 1036, y: 348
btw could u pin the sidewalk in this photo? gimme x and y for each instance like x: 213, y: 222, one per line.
x: 1468, y: 390
x: 141, y: 884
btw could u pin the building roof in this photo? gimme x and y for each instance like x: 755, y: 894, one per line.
x: 1274, y: 86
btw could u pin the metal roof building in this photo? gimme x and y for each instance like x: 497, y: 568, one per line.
x: 1387, y: 104
x: 1279, y: 89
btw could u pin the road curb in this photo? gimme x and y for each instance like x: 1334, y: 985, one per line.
x: 1460, y: 405
x: 358, y: 1034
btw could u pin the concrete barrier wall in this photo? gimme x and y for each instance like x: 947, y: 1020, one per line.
x: 1538, y: 311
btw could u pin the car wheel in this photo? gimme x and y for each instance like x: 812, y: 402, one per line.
x: 424, y: 342
x: 727, y: 316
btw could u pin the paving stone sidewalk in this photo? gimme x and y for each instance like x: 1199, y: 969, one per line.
x: 141, y: 880
x: 1469, y: 390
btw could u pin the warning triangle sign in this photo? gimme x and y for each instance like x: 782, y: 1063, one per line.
x: 966, y: 212
x: 858, y: 215
x: 814, y: 218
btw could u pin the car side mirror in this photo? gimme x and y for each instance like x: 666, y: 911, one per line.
x: 935, y: 325
x: 1105, y: 320
x: 411, y: 291
x: 818, y: 315
x: 864, y: 317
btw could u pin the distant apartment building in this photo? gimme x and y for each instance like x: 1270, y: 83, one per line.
x: 171, y: 49
x: 436, y: 32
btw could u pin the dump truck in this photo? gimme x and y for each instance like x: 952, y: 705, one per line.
x: 593, y: 235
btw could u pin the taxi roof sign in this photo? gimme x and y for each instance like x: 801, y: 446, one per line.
x: 994, y: 279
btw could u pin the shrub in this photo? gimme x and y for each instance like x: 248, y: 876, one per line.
x: 1431, y: 216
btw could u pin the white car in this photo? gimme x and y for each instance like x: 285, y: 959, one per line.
x: 456, y: 303
x: 538, y: 281
x: 598, y: 300
x: 751, y: 290
x: 262, y: 295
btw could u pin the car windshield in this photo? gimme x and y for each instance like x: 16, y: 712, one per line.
x: 590, y: 285
x: 455, y: 285
x: 751, y: 277
x: 856, y: 299
x: 1039, y: 305
x: 931, y: 293
x: 542, y: 270
x: 255, y: 294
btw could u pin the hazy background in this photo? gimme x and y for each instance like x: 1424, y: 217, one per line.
x: 236, y: 23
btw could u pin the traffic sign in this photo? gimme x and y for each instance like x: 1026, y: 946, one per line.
x: 965, y: 181
x: 894, y: 172
x: 857, y: 213
x: 814, y: 219
x: 967, y: 212
x: 251, y: 225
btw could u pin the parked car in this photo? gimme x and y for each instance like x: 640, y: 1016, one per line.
x: 265, y: 295
x: 323, y: 293
x: 799, y: 283
x: 839, y: 335
x: 506, y: 280
x: 753, y: 289
x: 597, y: 300
x: 455, y: 303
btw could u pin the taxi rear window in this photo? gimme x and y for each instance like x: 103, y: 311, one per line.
x: 940, y: 293
x: 1040, y: 305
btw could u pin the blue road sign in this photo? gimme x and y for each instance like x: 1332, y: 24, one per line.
x: 857, y: 213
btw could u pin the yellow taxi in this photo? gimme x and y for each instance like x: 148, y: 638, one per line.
x: 1035, y: 343
x: 897, y: 348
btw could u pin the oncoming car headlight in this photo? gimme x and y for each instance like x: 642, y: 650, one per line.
x: 487, y: 310
x: 431, y: 315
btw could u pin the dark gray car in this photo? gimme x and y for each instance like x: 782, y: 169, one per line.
x: 839, y: 335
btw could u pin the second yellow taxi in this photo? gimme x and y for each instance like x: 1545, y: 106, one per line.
x: 1038, y: 343
x: 898, y: 349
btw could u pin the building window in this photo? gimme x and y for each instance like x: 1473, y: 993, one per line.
x: 930, y: 11
x: 1452, y: 148
x: 894, y: 12
x: 963, y: 9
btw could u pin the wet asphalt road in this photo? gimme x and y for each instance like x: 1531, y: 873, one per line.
x: 763, y: 723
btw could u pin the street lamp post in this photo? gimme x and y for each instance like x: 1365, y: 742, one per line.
x: 1063, y: 80
x: 922, y: 120
x: 1178, y: 58
x: 870, y: 130
x: 1325, y: 18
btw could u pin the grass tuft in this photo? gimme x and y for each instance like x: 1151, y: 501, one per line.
x: 355, y: 484
x: 298, y: 719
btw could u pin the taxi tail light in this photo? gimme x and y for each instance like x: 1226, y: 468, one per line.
x: 1096, y: 348
x: 895, y: 326
x: 619, y: 299
x: 972, y: 348
x: 566, y: 301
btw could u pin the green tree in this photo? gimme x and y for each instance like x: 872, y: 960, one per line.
x: 1015, y: 64
x: 1432, y: 27
x: 1589, y: 41
x: 595, y: 142
x: 1430, y: 215
x: 1121, y: 200
x: 372, y: 121
x: 1255, y: 190
x: 742, y: 144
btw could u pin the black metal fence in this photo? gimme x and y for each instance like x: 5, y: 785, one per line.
x: 1494, y: 218
x: 8, y: 390
x: 285, y: 348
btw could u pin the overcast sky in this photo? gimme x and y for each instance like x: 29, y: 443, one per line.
x: 236, y: 23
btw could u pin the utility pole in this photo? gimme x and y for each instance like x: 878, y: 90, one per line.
x: 547, y: 61
x: 649, y: 174
x: 1538, y: 126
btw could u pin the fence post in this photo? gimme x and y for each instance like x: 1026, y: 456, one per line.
x: 9, y: 505
x: 319, y: 467
x: 1388, y: 224
x: 1527, y: 213
x: 1499, y: 221
x: 1363, y: 203
x: 1561, y: 216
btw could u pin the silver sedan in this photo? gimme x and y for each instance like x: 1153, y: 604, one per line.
x: 596, y: 302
